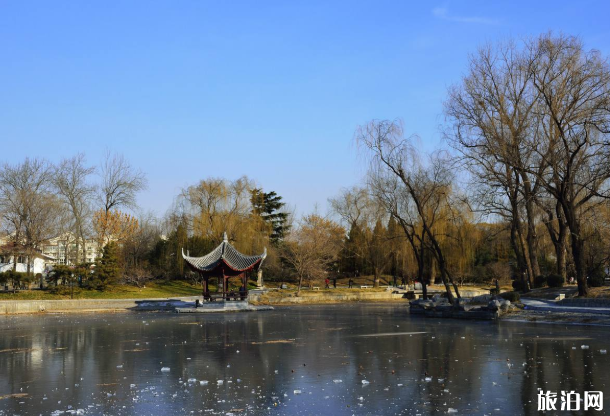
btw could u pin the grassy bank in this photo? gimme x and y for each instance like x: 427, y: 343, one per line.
x: 158, y: 289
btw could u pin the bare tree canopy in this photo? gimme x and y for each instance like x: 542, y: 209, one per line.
x: 395, y: 162
x: 312, y: 248
x: 120, y: 183
x: 533, y: 122
x: 29, y: 209
x: 72, y: 182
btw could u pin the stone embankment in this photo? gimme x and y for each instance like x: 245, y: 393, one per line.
x: 8, y: 307
x: 323, y: 297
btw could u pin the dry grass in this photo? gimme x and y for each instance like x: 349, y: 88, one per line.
x: 152, y: 290
x: 599, y: 292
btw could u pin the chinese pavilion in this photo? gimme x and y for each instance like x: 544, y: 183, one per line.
x: 223, y: 263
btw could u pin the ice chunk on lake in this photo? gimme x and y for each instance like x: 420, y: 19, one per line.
x: 452, y: 410
x: 220, y: 382
x: 584, y: 347
x: 192, y: 380
x: 165, y: 369
x: 365, y: 382
x: 602, y: 351
x: 297, y: 392
x: 337, y: 381
x: 203, y: 382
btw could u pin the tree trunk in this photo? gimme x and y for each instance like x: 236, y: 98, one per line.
x: 526, y: 258
x: 531, y: 237
x: 514, y: 242
x: 420, y: 273
x: 377, y: 276
x: 300, y: 284
x: 578, y: 252
x: 559, y: 238
x: 442, y: 265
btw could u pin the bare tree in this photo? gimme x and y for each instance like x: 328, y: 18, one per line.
x: 136, y: 248
x: 120, y: 183
x: 573, y: 113
x: 429, y: 187
x: 71, y: 179
x: 313, y: 247
x: 400, y: 206
x: 492, y: 115
x: 30, y: 210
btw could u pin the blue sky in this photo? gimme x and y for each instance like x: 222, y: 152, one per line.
x: 272, y: 90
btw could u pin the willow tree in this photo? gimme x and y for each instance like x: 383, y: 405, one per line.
x: 359, y: 211
x: 215, y: 206
x: 395, y: 160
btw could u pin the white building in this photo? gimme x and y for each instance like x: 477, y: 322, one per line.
x: 58, y: 250
x: 63, y: 249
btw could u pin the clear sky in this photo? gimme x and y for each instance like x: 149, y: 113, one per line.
x: 272, y: 90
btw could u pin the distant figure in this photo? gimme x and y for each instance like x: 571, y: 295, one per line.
x: 350, y: 283
x: 404, y: 282
x: 197, y: 303
x: 327, y: 282
x: 242, y: 292
x: 394, y: 278
x: 335, y: 282
x: 497, y: 287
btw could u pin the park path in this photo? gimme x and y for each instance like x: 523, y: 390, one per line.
x: 554, y: 306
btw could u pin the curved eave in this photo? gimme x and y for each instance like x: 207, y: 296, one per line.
x: 192, y: 262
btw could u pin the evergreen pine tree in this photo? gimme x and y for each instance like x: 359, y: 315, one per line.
x: 268, y: 205
x: 107, y: 268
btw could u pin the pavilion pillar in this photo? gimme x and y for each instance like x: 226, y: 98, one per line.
x: 224, y: 285
x: 259, y: 279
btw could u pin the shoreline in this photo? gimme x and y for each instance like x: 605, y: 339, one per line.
x: 259, y: 301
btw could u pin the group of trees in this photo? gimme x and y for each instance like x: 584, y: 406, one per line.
x: 252, y: 218
x: 527, y: 128
x: 531, y: 122
x: 40, y: 201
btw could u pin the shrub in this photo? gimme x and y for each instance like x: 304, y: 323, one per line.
x: 95, y: 284
x: 555, y: 280
x: 60, y: 290
x: 517, y: 285
x: 596, y: 277
x: 512, y: 296
x: 539, y: 281
x: 596, y: 280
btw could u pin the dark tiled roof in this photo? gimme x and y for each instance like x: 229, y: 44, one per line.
x: 226, y: 253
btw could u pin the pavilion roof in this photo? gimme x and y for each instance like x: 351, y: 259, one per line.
x: 226, y: 254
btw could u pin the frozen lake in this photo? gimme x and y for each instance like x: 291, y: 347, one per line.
x: 306, y: 360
